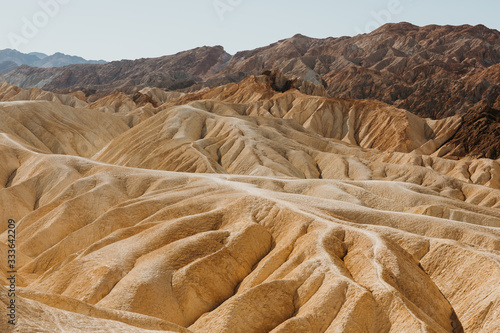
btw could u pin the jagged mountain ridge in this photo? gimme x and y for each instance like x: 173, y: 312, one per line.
x: 432, y: 71
x: 170, y: 72
x: 414, y: 68
x: 9, y: 57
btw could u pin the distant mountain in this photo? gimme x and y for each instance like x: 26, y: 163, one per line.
x: 7, y: 66
x: 39, y: 54
x: 178, y: 71
x: 37, y: 59
x: 59, y: 59
x: 18, y: 57
x: 432, y: 71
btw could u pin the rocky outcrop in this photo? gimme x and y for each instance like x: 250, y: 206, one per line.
x: 36, y: 59
x: 432, y: 71
x: 389, y: 246
x: 171, y: 72
x: 7, y: 66
x: 479, y: 134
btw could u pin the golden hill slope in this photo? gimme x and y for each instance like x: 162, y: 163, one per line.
x: 246, y: 210
x: 367, y: 123
x: 255, y: 254
x: 189, y: 138
x: 55, y: 128
x: 13, y: 93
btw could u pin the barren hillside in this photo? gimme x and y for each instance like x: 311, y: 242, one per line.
x: 244, y: 209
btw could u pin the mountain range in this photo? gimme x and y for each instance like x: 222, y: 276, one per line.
x: 313, y: 185
x: 432, y: 71
x: 11, y: 59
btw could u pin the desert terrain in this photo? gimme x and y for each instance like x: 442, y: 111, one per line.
x: 267, y: 204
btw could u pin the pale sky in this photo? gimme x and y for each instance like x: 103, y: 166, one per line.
x: 126, y: 29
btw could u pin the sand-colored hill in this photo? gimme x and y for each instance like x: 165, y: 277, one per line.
x: 13, y: 93
x: 246, y: 209
x: 70, y: 315
x: 252, y: 254
x: 366, y: 123
x: 431, y: 71
x: 52, y: 127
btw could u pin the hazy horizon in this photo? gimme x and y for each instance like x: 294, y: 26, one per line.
x: 96, y: 31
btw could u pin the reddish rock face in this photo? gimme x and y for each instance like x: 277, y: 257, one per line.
x: 479, y: 135
x: 432, y: 71
x: 170, y: 72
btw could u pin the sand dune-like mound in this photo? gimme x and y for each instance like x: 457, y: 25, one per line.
x: 115, y: 103
x: 70, y: 315
x: 250, y: 207
x: 159, y: 96
x: 13, y: 93
x: 223, y: 253
x: 55, y: 128
x: 190, y: 139
x: 365, y: 123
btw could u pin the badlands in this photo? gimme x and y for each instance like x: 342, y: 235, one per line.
x: 344, y: 184
x: 243, y: 208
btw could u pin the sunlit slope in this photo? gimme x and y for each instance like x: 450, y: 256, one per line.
x: 245, y: 209
x: 223, y: 253
x: 52, y: 127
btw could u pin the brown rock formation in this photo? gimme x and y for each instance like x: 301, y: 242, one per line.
x: 432, y: 71
x: 479, y: 134
x: 258, y: 206
x: 173, y: 72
